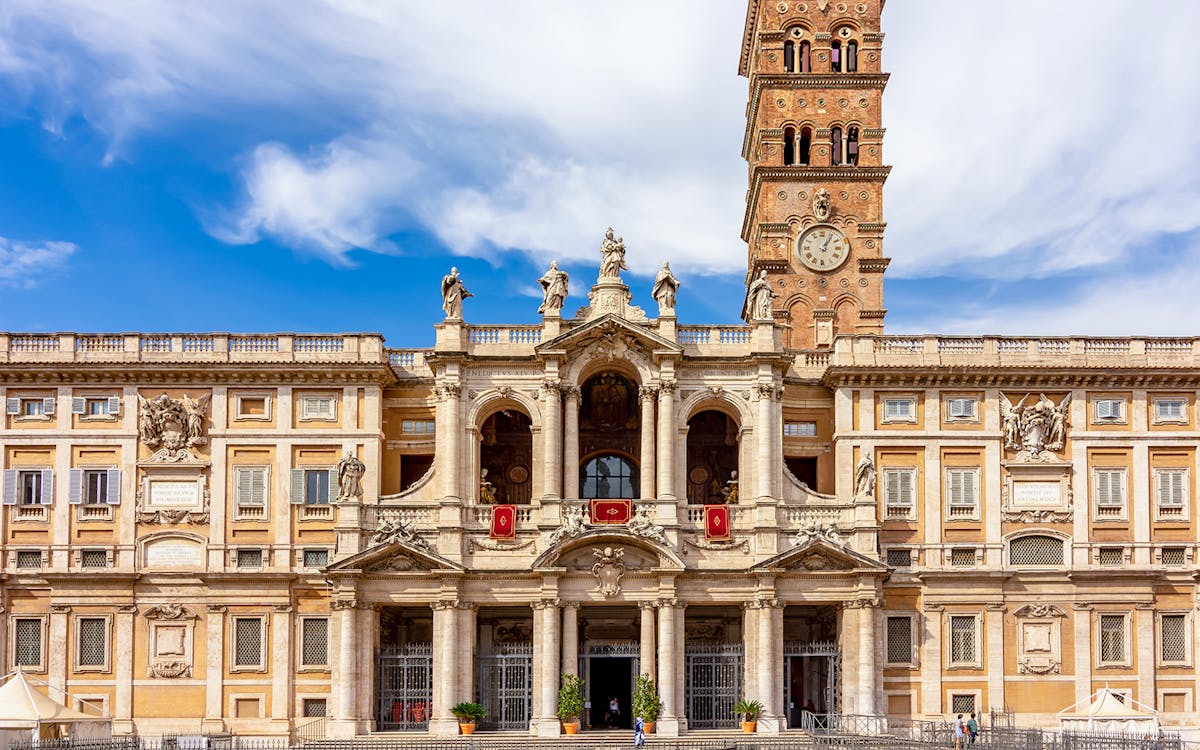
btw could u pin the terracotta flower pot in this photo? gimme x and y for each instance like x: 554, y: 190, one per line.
x: 749, y: 727
x: 649, y: 727
x: 466, y: 727
x: 571, y: 727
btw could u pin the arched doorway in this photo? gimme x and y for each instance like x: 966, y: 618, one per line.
x: 712, y: 456
x: 506, y: 458
x: 610, y: 432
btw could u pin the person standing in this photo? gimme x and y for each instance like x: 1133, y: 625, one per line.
x: 960, y: 732
x: 614, y: 711
x: 972, y: 728
x: 639, y: 732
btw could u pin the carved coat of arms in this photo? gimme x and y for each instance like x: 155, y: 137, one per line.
x: 173, y: 426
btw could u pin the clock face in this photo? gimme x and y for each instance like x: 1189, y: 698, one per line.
x: 823, y: 248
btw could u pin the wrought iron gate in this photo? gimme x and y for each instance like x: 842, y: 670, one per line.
x: 506, y: 686
x: 831, y: 657
x: 405, y: 687
x: 712, y: 684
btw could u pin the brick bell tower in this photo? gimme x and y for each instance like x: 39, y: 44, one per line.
x: 814, y: 147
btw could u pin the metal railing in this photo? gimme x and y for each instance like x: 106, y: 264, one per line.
x: 315, y: 730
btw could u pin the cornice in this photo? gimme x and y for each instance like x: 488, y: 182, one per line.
x: 747, y: 37
x: 166, y: 373
x: 1007, y: 377
x: 815, y: 81
x: 762, y: 174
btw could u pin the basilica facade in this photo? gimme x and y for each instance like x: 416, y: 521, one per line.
x: 210, y: 532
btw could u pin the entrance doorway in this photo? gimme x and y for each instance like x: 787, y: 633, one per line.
x: 611, y: 677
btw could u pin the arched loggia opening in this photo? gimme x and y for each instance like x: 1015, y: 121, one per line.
x: 506, y: 458
x: 610, y: 433
x: 712, y: 458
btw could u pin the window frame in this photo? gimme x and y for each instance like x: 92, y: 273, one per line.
x: 264, y: 635
x: 976, y: 475
x: 307, y: 414
x: 888, y: 505
x: 1185, y: 494
x: 802, y: 429
x: 240, y: 506
x: 886, y: 399
x: 912, y: 556
x: 405, y: 423
x: 302, y: 555
x: 1122, y: 415
x: 1126, y: 660
x: 77, y: 651
x: 110, y: 407
x: 976, y: 662
x: 1123, y: 474
x: 1157, y: 416
x: 1064, y: 548
x: 974, y: 695
x: 43, y: 623
x: 913, y: 661
x: 1159, y: 658
x: 972, y: 418
x: 302, y: 663
x: 21, y: 408
x: 263, y: 558
x: 238, y: 409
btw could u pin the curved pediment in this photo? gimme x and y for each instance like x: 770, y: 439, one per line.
x: 818, y: 554
x: 394, y: 557
x: 579, y: 552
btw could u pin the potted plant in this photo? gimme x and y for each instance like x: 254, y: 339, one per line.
x: 570, y: 703
x: 646, y: 702
x: 468, y: 714
x: 749, y: 711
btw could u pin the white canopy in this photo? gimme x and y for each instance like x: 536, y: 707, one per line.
x: 27, y: 713
x: 1110, y: 712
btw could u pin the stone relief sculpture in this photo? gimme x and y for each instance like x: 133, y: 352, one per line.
x: 612, y: 256
x: 1035, y: 430
x: 554, y: 289
x: 350, y: 471
x: 758, y: 299
x: 173, y: 426
x: 453, y: 294
x: 608, y: 569
x: 829, y: 533
x: 574, y: 523
x: 822, y: 204
x: 864, y: 478
x: 398, y: 531
x: 641, y: 525
x: 665, y: 288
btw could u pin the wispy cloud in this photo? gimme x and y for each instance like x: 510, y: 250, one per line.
x: 25, y: 264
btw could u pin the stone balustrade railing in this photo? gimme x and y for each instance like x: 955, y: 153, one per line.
x: 189, y: 347
x: 1076, y: 351
x: 410, y: 361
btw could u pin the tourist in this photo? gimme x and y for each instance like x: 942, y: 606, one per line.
x: 639, y: 732
x: 959, y: 732
x: 972, y: 728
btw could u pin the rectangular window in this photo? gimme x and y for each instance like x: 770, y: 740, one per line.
x: 1110, y: 410
x: 1170, y: 410
x: 318, y: 407
x: 93, y: 558
x: 252, y: 407
x: 27, y: 650
x: 899, y: 558
x: 313, y: 708
x: 93, y: 642
x: 899, y: 640
x: 1174, y: 557
x: 1110, y: 493
x: 1112, y: 639
x: 250, y: 491
x: 962, y: 703
x: 316, y: 558
x: 963, y: 649
x: 962, y: 490
x: 1170, y: 489
x: 29, y: 558
x: 417, y: 427
x: 316, y: 486
x: 247, y: 642
x: 249, y: 558
x: 1172, y: 638
x: 96, y: 407
x: 899, y: 410
x: 799, y: 429
x: 30, y: 487
x: 1111, y: 556
x: 95, y: 487
x: 962, y: 557
x: 33, y: 407
x: 314, y: 642
x: 899, y: 487
x: 964, y: 409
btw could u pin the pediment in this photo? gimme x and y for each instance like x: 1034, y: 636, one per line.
x: 820, y: 555
x: 611, y: 336
x: 579, y: 552
x: 394, y: 557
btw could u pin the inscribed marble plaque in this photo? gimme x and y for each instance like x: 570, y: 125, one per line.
x: 184, y: 494
x: 1036, y: 494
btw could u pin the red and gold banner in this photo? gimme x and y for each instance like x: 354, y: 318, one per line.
x: 611, y: 511
x: 504, y: 522
x: 716, y: 522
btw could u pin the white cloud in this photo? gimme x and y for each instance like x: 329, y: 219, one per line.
x: 24, y: 264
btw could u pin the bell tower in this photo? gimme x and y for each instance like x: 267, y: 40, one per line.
x: 814, y: 147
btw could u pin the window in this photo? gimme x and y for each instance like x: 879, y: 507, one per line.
x: 962, y: 491
x: 1172, y: 638
x: 252, y: 406
x: 898, y: 490
x: 1110, y: 410
x: 835, y: 140
x: 851, y: 57
x: 852, y: 145
x: 30, y: 408
x: 1112, y: 639
x: 962, y: 703
x: 249, y: 558
x: 609, y: 477
x: 1110, y: 493
x: 314, y: 642
x: 1170, y: 489
x: 799, y: 429
x: 318, y: 407
x: 311, y: 486
x: 899, y: 557
x: 417, y: 426
x: 93, y: 558
x: 28, y: 486
x: 797, y: 56
x: 1170, y: 410
x: 27, y: 646
x: 248, y: 642
x: 94, y: 487
x: 92, y: 642
x: 962, y: 409
x: 96, y: 407
x: 963, y: 630
x: 899, y: 410
x: 1036, y: 549
x: 1174, y: 557
x: 962, y: 557
x: 250, y: 491
x: 313, y: 708
x: 835, y: 57
x: 1111, y: 556
x: 316, y: 558
x: 899, y: 639
x: 29, y: 558
x: 789, y: 146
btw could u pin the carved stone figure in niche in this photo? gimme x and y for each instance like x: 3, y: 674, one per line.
x: 665, y: 288
x: 574, y: 522
x: 487, y: 490
x: 172, y: 425
x: 864, y: 478
x: 730, y: 492
x: 822, y: 204
x: 453, y: 294
x: 612, y: 256
x: 609, y: 569
x: 554, y: 289
x: 1035, y: 430
x: 758, y: 299
x: 392, y: 532
x: 506, y: 458
x: 712, y: 457
x: 641, y: 525
x: 350, y: 471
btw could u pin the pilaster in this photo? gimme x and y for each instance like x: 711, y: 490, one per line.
x: 647, y: 396
x: 345, y: 675
x: 1082, y: 621
x: 571, y: 442
x: 666, y: 440
x: 552, y: 433
x: 671, y: 722
x: 214, y: 655
x: 994, y: 643
x: 570, y: 638
x: 445, y: 668
x: 122, y: 709
x: 931, y: 661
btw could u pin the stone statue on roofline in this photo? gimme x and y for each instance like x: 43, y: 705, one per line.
x: 554, y: 289
x: 612, y: 256
x: 665, y: 288
x: 453, y: 294
x: 758, y: 300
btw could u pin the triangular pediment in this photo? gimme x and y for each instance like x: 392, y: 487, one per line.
x: 817, y: 555
x: 578, y: 548
x: 612, y: 331
x: 394, y: 557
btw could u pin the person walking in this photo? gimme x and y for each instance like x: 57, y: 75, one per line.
x: 639, y: 732
x: 614, y: 712
x: 960, y: 732
x: 972, y: 729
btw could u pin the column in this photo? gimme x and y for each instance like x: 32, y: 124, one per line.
x: 668, y: 721
x: 552, y: 460
x: 449, y: 427
x: 281, y: 661
x: 931, y: 661
x: 647, y: 395
x: 769, y: 661
x: 647, y: 660
x: 571, y: 443
x: 445, y: 668
x: 570, y: 639
x: 546, y: 632
x: 466, y: 652
x: 995, y: 656
x: 1140, y: 504
x: 345, y: 675
x: 666, y: 440
x: 750, y: 648
x: 214, y: 659
x: 868, y: 675
x: 764, y: 470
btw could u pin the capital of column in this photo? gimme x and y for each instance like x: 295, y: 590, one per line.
x: 667, y: 387
x: 466, y: 605
x: 283, y: 608
x: 648, y: 393
x: 767, y: 391
x: 865, y: 602
x: 551, y: 386
x: 670, y: 604
x: 647, y: 604
x: 217, y: 608
x: 570, y: 392
x: 60, y: 609
x: 1081, y: 606
x: 124, y: 609
x: 994, y: 606
x: 443, y: 605
x: 569, y: 604
x: 338, y: 605
x: 448, y: 390
x: 540, y: 604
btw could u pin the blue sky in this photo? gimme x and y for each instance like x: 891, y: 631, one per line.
x: 318, y: 166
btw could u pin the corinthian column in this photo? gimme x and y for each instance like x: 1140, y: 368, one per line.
x: 646, y: 634
x: 445, y: 667
x: 570, y: 639
x: 669, y: 719
x: 770, y: 662
x: 765, y: 466
x: 345, y: 723
x: 546, y: 644
x: 666, y: 440
x: 571, y: 443
x: 647, y: 395
x: 448, y: 433
x: 552, y: 465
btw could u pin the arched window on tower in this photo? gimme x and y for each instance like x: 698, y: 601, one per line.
x: 789, y: 146
x: 835, y: 57
x: 851, y: 57
x: 805, y: 146
x: 835, y: 140
x: 852, y: 145
x: 805, y: 57
x: 789, y: 56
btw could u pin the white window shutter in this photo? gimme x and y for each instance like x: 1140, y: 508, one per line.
x: 296, y: 496
x: 75, y: 486
x: 242, y: 486
x: 78, y: 405
x: 12, y: 406
x: 332, y: 484
x: 258, y: 487
x: 10, y: 487
x: 114, y: 487
x: 47, y: 496
x: 906, y: 487
x: 48, y: 406
x: 114, y: 405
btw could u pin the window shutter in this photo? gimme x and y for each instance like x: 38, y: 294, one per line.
x: 47, y: 496
x: 48, y: 406
x: 114, y: 487
x: 10, y: 487
x: 78, y: 405
x: 331, y: 484
x: 243, y: 487
x: 296, y: 496
x: 114, y: 405
x: 75, y: 486
x: 13, y: 406
x: 258, y: 487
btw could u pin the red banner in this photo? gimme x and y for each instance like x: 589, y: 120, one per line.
x: 611, y: 511
x: 504, y: 522
x: 716, y: 522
